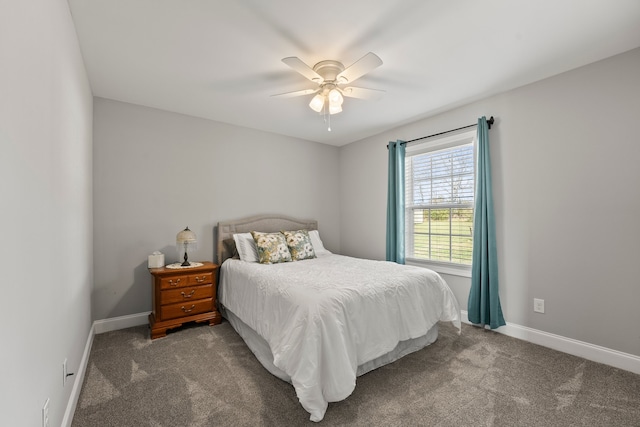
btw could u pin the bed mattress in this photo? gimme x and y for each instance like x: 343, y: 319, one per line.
x: 326, y: 320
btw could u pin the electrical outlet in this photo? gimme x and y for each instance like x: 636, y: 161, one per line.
x: 64, y: 373
x: 538, y: 305
x: 45, y: 414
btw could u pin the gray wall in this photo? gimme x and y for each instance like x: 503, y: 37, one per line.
x: 46, y: 213
x: 565, y: 154
x: 156, y: 172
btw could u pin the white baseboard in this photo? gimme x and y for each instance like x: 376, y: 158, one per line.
x: 122, y: 322
x: 98, y: 327
x: 596, y: 353
x: 79, y: 380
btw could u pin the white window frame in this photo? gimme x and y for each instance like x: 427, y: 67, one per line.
x: 416, y: 148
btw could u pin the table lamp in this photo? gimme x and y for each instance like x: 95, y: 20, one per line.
x: 186, y: 239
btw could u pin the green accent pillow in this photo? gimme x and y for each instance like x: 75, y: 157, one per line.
x: 299, y: 244
x: 272, y: 248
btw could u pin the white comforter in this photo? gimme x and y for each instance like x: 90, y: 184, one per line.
x: 323, y: 317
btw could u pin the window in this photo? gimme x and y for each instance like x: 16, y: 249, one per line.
x: 440, y: 186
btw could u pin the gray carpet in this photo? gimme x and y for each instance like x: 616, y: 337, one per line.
x: 206, y: 376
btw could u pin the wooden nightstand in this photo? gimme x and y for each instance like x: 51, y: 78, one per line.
x: 183, y: 295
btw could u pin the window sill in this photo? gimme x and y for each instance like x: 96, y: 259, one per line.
x: 441, y: 267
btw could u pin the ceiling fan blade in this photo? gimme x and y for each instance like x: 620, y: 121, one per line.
x: 302, y: 68
x: 358, y: 69
x: 362, y: 93
x: 295, y: 93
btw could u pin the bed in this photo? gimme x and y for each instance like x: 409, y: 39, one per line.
x: 319, y: 323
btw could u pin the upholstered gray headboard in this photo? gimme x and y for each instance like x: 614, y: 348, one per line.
x: 264, y: 223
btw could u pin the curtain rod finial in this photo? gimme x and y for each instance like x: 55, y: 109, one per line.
x: 490, y: 122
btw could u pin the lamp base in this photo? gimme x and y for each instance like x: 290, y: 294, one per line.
x: 186, y: 260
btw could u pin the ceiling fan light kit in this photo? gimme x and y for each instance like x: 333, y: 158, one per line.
x: 329, y: 95
x: 329, y: 75
x: 335, y: 109
x: 317, y: 103
x: 335, y: 97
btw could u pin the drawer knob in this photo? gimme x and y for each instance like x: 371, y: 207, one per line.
x: 174, y: 283
x: 193, y: 291
x: 188, y: 310
x: 199, y: 279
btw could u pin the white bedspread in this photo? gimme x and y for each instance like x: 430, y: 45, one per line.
x: 324, y: 317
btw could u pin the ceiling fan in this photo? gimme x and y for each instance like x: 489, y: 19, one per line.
x: 332, y: 77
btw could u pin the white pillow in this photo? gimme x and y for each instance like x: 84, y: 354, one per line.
x: 246, y: 247
x: 318, y: 247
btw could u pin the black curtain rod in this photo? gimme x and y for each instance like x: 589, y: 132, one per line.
x: 489, y: 123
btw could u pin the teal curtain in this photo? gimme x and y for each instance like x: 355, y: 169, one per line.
x: 484, y: 302
x: 395, y: 203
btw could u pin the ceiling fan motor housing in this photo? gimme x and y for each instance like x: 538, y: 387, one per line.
x: 329, y: 70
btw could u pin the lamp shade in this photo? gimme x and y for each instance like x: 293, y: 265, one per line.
x: 335, y: 101
x: 317, y: 103
x: 335, y: 108
x: 186, y: 236
x: 335, y: 97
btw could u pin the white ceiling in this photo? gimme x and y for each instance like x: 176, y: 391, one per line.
x: 221, y: 59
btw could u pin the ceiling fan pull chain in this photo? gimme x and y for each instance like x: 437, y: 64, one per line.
x: 326, y: 116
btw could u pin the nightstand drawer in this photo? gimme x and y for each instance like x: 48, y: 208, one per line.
x: 184, y: 295
x: 200, y: 279
x: 187, y: 308
x: 174, y: 282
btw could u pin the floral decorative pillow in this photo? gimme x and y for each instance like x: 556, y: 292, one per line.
x: 272, y: 248
x: 299, y: 244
